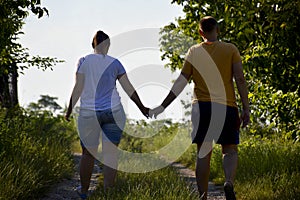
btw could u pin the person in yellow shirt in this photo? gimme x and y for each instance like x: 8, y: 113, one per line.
x: 212, y: 65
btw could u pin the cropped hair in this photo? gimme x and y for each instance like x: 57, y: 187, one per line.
x: 208, y: 24
x: 100, y: 39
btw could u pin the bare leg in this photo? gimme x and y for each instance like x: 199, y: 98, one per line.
x: 86, y: 169
x: 203, y: 169
x: 230, y: 161
x: 110, y: 153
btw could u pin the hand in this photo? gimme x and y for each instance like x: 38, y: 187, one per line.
x: 156, y: 111
x: 67, y: 116
x: 245, y: 117
x: 145, y: 111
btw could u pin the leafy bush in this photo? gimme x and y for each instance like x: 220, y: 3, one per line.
x: 35, y: 152
x: 274, y: 112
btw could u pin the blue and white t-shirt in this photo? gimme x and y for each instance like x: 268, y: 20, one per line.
x: 100, y: 75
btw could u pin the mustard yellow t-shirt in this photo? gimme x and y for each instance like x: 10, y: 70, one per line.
x: 210, y: 65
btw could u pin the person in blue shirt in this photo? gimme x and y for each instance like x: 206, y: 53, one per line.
x: 100, y: 110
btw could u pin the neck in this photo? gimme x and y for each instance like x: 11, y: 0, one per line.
x: 100, y: 52
x: 210, y: 39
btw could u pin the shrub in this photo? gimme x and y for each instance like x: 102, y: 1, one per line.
x: 35, y: 152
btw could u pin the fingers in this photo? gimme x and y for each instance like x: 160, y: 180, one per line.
x: 156, y: 111
x: 245, y: 118
x: 67, y: 118
x: 245, y: 122
x: 152, y: 113
x: 146, y: 112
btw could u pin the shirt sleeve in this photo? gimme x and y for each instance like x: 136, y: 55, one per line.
x: 80, y: 68
x: 120, y: 68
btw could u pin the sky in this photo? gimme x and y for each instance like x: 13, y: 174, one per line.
x: 67, y: 33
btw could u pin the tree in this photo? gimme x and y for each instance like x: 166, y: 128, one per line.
x: 267, y: 35
x: 13, y: 57
x: 266, y: 32
x: 45, y: 102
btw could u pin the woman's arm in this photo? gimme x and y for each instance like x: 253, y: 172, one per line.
x: 76, y: 93
x: 130, y: 91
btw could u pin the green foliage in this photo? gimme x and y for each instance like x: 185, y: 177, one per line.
x: 45, y: 102
x: 165, y: 183
x: 12, y: 17
x: 274, y: 112
x: 162, y: 184
x: 266, y: 33
x: 13, y: 57
x: 35, y: 152
x: 140, y: 136
x: 268, y: 169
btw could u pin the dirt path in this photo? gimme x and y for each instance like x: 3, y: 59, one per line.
x: 214, y: 192
x: 65, y: 190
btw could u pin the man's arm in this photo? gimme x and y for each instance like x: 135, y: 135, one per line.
x: 243, y: 91
x: 130, y: 91
x: 177, y: 88
x: 77, y: 90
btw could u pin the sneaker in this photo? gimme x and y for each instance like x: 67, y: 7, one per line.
x: 81, y: 195
x: 229, y: 192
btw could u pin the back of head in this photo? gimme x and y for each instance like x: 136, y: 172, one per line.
x: 208, y: 24
x: 101, y: 41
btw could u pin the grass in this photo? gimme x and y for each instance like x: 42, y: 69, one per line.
x: 164, y: 184
x: 76, y: 147
x: 34, y: 152
x: 269, y: 168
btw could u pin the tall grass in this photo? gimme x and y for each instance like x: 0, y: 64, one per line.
x: 269, y: 167
x: 35, y: 152
x: 164, y: 184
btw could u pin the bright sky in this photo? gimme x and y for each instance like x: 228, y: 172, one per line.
x: 67, y: 34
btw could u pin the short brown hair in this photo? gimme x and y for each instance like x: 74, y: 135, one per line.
x: 208, y: 24
x: 100, y: 38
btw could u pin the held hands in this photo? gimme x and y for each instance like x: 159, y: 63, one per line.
x: 145, y: 111
x: 152, y: 112
x: 156, y: 111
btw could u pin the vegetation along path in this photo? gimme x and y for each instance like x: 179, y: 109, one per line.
x: 65, y: 190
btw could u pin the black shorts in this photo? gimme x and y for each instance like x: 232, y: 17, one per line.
x: 214, y: 121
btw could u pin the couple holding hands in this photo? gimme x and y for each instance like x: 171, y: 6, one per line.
x: 212, y: 65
